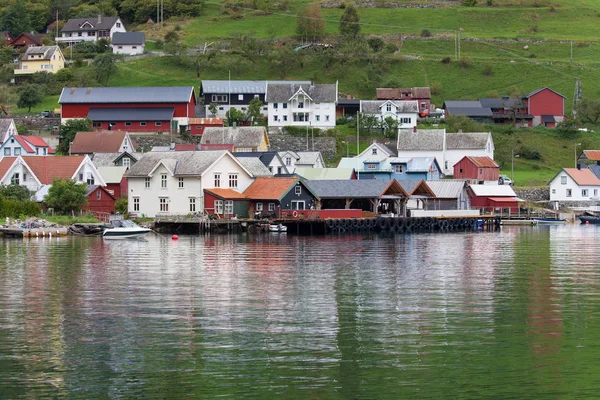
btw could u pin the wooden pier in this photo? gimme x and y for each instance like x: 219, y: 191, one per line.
x: 32, y: 233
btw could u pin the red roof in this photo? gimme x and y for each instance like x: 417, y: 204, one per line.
x: 185, y: 147
x: 35, y: 141
x: 503, y: 199
x: 583, y: 177
x: 483, y: 162
x: 47, y: 169
x: 226, y: 194
x: 269, y: 188
x: 98, y: 142
x: 24, y: 143
x: 5, y: 164
x: 592, y: 155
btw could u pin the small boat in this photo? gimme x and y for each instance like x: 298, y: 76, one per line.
x: 124, y: 229
x: 585, y: 219
x: 277, y: 228
x: 549, y: 221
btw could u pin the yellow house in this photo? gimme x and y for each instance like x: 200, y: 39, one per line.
x: 41, y: 59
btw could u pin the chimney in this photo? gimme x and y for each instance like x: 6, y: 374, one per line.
x: 99, y: 18
x: 89, y: 90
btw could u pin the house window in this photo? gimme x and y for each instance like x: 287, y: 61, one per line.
x: 98, y: 194
x: 371, y: 166
x: 259, y: 206
x: 584, y: 193
x: 119, y: 47
x: 275, y: 118
x: 229, y: 207
x: 15, y: 179
x: 285, y: 118
x: 553, y: 191
x: 276, y: 105
x: 128, y: 123
x: 298, y: 205
x: 164, y: 204
x: 134, y: 47
x: 301, y: 104
x: 136, y: 204
x: 399, y: 169
x: 388, y: 107
x: 90, y: 180
x: 480, y: 170
x: 563, y: 180
x: 317, y: 117
x: 569, y: 192
x: 126, y: 162
x: 7, y: 151
x: 233, y: 180
x: 327, y: 118
x: 284, y: 105
x: 595, y: 191
x: 423, y: 105
x: 79, y: 33
x: 24, y: 177
x: 219, y: 98
x: 218, y: 206
x: 142, y: 123
x: 288, y: 161
x: 271, y: 206
x: 180, y: 183
x: 374, y: 151
x: 217, y: 180
x: 17, y: 151
x: 240, y: 97
x: 97, y: 124
x: 80, y: 177
x: 163, y: 181
x: 118, y: 24
x: 445, y: 164
x: 158, y: 123
x: 146, y: 183
x: 298, y: 189
x: 192, y: 204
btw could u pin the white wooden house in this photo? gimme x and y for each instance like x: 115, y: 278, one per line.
x: 404, y: 112
x: 572, y: 184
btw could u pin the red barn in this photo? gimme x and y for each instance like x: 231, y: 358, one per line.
x: 197, y: 125
x: 492, y: 198
x: 546, y: 106
x: 477, y: 169
x: 132, y: 109
x: 99, y: 199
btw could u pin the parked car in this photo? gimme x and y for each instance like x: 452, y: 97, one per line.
x: 505, y: 180
x: 47, y: 114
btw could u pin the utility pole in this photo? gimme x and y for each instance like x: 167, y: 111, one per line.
x: 459, y: 44
x: 358, y: 145
x: 571, y: 52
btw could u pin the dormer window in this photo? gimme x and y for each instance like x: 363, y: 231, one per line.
x: 388, y: 107
x: 118, y: 24
x: 374, y: 151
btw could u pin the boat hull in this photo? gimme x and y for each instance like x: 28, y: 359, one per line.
x: 589, y: 219
x: 124, y: 234
x: 549, y: 221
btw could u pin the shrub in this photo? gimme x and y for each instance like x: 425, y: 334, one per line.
x: 121, y: 205
x: 532, y: 55
x: 530, y: 154
x: 343, y: 120
x: 469, y: 3
x: 425, y: 33
x: 391, y: 47
x: 376, y: 43
x: 490, y: 3
x: 446, y: 60
x: 299, y: 131
x: 17, y: 209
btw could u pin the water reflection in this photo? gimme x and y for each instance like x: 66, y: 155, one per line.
x: 509, y: 315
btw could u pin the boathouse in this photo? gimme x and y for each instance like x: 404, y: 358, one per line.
x: 477, y: 170
x: 225, y: 203
x: 270, y: 196
x: 99, y: 200
x: 450, y: 194
x: 489, y: 198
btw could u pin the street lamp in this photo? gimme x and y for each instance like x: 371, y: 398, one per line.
x: 576, y: 144
x: 512, y: 165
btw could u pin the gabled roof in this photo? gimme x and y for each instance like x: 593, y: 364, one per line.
x: 282, y: 93
x: 109, y: 159
x: 548, y: 118
x: 271, y: 188
x: 34, y: 37
x: 542, y: 89
x: 92, y: 188
x: 415, y: 188
x: 375, y: 106
x: 112, y: 174
x: 226, y: 194
x: 595, y: 168
x: 472, y: 108
x: 309, y: 157
x: 5, y: 164
x: 98, y: 142
x: 381, y: 146
x: 592, y: 155
x: 447, y: 188
x: 320, y: 174
x: 482, y: 162
x: 353, y: 189
x: 240, y: 86
x: 37, y: 142
x: 422, y: 139
x: 254, y: 166
x: 244, y: 136
x: 396, y: 93
x: 467, y: 140
x: 46, y: 169
x: 216, y: 146
x: 5, y: 124
x: 191, y: 163
x: 492, y: 190
x: 582, y: 177
x: 120, y: 95
x: 266, y: 157
x: 79, y: 24
x: 23, y: 143
x: 34, y: 53
x: 132, y: 114
x: 120, y: 38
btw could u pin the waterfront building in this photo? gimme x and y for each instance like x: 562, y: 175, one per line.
x: 477, y: 170
x: 575, y: 185
x: 270, y: 196
x: 114, y: 177
x: 99, y: 200
x: 492, y: 198
x: 450, y: 194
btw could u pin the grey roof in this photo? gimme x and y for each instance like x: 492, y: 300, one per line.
x: 423, y: 139
x: 342, y: 189
x: 33, y: 53
x: 471, y: 108
x: 308, y: 157
x: 109, y: 159
x: 467, y: 140
x: 244, y: 136
x: 179, y: 162
x: 447, y: 188
x: 131, y: 114
x: 403, y: 106
x: 240, y: 86
x: 255, y: 166
x: 595, y: 168
x: 119, y: 38
x: 5, y: 124
x: 278, y: 93
x: 99, y: 95
x: 548, y: 118
x: 501, y: 102
x: 74, y: 24
x: 539, y: 90
x: 266, y: 157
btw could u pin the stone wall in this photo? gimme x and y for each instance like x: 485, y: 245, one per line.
x: 534, y: 194
x: 326, y: 145
x: 36, y: 122
x: 146, y: 142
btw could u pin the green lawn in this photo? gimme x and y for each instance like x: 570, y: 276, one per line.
x: 49, y: 104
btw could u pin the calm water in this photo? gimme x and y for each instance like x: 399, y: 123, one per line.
x: 507, y: 315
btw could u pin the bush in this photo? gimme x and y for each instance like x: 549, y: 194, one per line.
x: 469, y: 3
x: 121, y: 205
x: 446, y: 60
x: 343, y: 120
x: 465, y: 62
x: 376, y: 43
x: 391, y: 47
x: 530, y: 154
x: 17, y: 209
x: 490, y: 3
x: 300, y: 131
x: 425, y: 33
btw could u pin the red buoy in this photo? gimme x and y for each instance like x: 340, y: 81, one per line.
x: 175, y: 237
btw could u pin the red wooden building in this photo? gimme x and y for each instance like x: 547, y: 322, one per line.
x: 421, y: 94
x: 132, y: 109
x: 477, y: 169
x: 493, y: 198
x: 6, y: 37
x: 225, y: 203
x: 197, y: 125
x: 25, y: 40
x: 546, y: 106
x: 99, y: 199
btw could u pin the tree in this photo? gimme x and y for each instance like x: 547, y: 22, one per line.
x: 212, y: 108
x: 66, y: 196
x: 310, y: 24
x: 68, y: 132
x: 29, y: 96
x: 255, y: 110
x: 16, y: 19
x: 172, y: 45
x: 367, y: 122
x: 104, y: 66
x: 376, y: 43
x: 121, y: 205
x: 283, y: 59
x: 234, y: 116
x: 390, y: 127
x: 588, y: 110
x: 15, y: 192
x: 350, y: 23
x: 102, y: 45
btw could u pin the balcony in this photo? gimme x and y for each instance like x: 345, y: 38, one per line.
x: 75, y: 39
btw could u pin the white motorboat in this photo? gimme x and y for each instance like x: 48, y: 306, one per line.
x: 277, y: 228
x: 124, y: 229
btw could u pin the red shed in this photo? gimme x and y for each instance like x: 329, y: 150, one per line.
x: 99, y: 200
x: 134, y: 109
x: 491, y: 198
x: 477, y: 169
x: 546, y: 106
x: 197, y: 125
